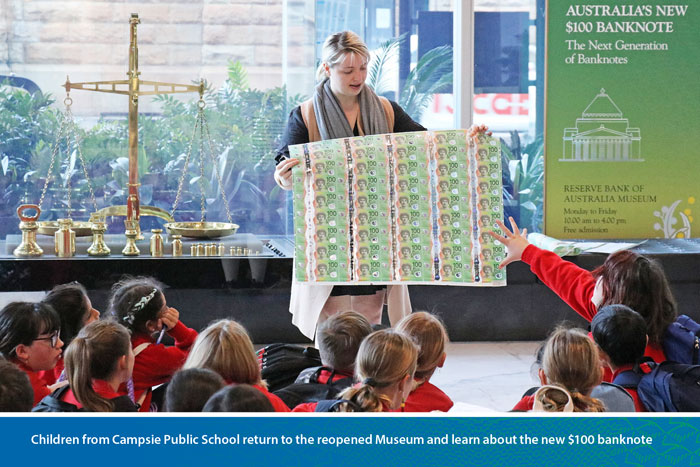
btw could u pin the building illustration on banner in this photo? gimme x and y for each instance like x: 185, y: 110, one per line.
x: 602, y: 134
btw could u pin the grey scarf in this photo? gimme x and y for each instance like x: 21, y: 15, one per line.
x: 331, y: 119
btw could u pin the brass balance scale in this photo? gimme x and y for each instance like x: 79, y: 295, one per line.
x: 65, y: 230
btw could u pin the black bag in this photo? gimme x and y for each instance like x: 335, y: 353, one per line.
x: 280, y: 364
x: 664, y: 387
x: 335, y: 404
x: 306, y: 388
x: 53, y: 402
x: 682, y: 341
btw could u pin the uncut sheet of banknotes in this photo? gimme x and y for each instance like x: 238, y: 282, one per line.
x: 409, y: 208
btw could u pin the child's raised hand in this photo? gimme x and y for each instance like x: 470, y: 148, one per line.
x: 515, y: 242
x: 170, y: 317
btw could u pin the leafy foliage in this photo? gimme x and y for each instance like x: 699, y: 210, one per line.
x: 523, y: 180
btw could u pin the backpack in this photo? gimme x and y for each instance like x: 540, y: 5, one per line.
x: 333, y: 405
x: 664, y: 387
x: 280, y: 364
x: 53, y: 402
x: 306, y: 388
x: 682, y: 341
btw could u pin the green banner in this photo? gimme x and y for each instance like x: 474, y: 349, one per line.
x: 622, y: 155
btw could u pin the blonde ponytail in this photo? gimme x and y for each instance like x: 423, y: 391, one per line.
x: 385, y: 358
x: 94, y: 354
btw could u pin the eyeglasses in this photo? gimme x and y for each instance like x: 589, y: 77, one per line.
x: 53, y: 338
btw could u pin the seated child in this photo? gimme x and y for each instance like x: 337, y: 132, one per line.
x: 620, y: 334
x: 16, y: 393
x: 238, y: 398
x: 571, y: 361
x: 29, y: 338
x: 190, y: 389
x: 75, y: 310
x: 225, y: 347
x: 624, y: 278
x: 428, y: 332
x: 139, y: 304
x: 385, y: 367
x: 338, y: 340
x: 98, y: 361
x: 613, y: 397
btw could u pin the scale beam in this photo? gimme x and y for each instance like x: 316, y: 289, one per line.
x: 134, y: 87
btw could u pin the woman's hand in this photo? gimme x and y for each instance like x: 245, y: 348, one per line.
x: 283, y: 173
x: 170, y: 317
x: 474, y: 131
x: 515, y: 242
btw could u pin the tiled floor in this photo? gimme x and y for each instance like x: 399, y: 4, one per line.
x: 487, y: 375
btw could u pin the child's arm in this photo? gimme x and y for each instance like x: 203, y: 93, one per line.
x: 184, y: 336
x: 571, y: 283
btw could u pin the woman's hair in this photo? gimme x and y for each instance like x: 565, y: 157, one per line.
x: 640, y: 283
x: 70, y: 302
x: 225, y: 347
x: 428, y: 332
x: 337, y: 46
x: 571, y: 360
x: 94, y: 354
x: 385, y: 358
x: 23, y: 322
x: 190, y: 389
x: 238, y: 398
x: 135, y: 301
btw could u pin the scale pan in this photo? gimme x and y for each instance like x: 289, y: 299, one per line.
x: 81, y: 228
x: 201, y: 229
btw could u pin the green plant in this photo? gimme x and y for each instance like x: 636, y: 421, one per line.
x: 523, y: 180
x: 432, y: 73
x: 27, y: 128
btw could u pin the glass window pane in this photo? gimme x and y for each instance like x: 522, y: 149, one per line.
x: 245, y: 52
x: 508, y: 71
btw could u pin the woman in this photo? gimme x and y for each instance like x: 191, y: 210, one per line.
x: 342, y: 106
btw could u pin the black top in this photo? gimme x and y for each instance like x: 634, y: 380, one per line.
x: 297, y: 133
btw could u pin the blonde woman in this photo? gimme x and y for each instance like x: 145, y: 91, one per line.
x: 428, y: 332
x: 225, y: 347
x: 571, y: 362
x: 342, y: 106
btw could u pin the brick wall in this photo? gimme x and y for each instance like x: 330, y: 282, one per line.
x: 179, y: 41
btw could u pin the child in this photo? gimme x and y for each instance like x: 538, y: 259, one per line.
x: 624, y: 278
x: 571, y: 361
x: 620, y: 334
x: 190, y: 389
x: 429, y: 334
x: 385, y: 367
x: 339, y: 339
x: 615, y: 398
x: 16, y: 394
x: 29, y: 338
x: 238, y: 398
x: 75, y: 310
x: 225, y: 347
x: 98, y: 361
x: 139, y: 304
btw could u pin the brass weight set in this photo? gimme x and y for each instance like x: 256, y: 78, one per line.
x: 65, y: 230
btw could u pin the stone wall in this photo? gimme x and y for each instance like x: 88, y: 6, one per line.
x: 179, y: 41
